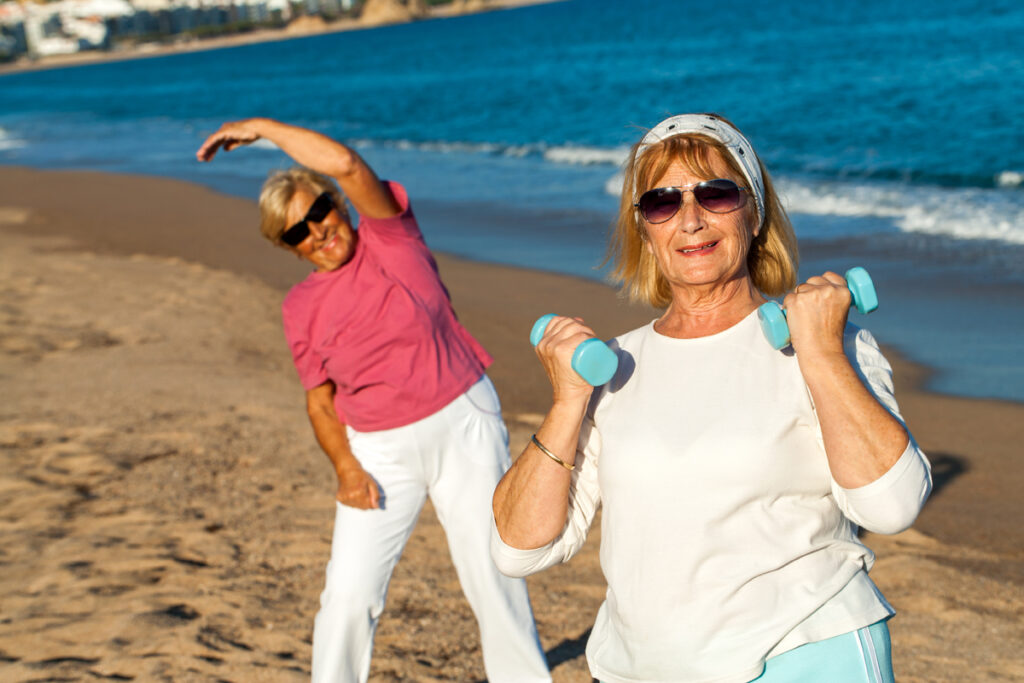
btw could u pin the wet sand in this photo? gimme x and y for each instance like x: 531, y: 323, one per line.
x: 166, y: 512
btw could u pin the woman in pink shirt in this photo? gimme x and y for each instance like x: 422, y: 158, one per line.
x: 396, y: 394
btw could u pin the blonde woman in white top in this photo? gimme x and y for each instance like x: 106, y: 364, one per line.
x: 733, y: 476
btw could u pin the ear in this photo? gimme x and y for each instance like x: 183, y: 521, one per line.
x: 641, y: 229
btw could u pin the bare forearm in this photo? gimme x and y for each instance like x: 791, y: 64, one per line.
x: 333, y: 439
x: 862, y: 439
x: 325, y: 155
x: 309, y: 148
x: 531, y: 501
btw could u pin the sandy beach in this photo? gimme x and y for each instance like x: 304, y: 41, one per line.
x: 166, y: 513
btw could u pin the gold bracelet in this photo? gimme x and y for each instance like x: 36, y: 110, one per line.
x: 551, y: 455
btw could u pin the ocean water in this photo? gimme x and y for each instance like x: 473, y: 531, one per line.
x: 891, y: 130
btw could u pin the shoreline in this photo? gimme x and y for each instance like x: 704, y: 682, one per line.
x: 168, y: 511
x: 924, y: 297
x: 194, y: 224
x: 295, y: 29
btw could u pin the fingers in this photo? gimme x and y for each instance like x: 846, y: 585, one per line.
x: 562, y: 328
x: 362, y: 494
x: 825, y: 289
x: 229, y: 136
x: 555, y: 351
x: 374, y: 494
x: 816, y: 312
x: 562, y: 336
x: 360, y: 499
x: 209, y: 148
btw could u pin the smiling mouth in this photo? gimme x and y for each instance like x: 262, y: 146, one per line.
x: 698, y: 248
x: 329, y: 243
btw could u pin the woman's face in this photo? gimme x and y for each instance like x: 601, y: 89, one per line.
x: 696, y: 247
x: 331, y: 242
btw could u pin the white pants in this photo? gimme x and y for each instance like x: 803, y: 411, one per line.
x: 457, y: 456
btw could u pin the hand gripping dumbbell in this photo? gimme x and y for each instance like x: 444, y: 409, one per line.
x: 773, y: 318
x: 592, y: 360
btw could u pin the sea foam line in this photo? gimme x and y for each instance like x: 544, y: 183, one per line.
x: 571, y: 155
x: 7, y: 141
x: 965, y: 213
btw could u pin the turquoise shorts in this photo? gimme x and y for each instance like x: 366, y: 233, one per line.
x: 861, y: 656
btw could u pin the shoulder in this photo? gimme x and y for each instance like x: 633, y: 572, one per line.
x: 297, y: 295
x: 400, y: 194
x: 626, y: 346
x: 297, y: 306
x: 632, y: 338
x: 404, y: 222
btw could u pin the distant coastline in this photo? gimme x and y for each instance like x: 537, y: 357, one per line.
x: 299, y: 28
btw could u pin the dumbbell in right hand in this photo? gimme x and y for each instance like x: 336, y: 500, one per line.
x: 592, y: 360
x: 773, y: 318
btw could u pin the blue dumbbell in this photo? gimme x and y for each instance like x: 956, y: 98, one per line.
x: 773, y: 318
x: 592, y: 360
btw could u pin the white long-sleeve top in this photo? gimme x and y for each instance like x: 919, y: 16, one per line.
x: 724, y: 538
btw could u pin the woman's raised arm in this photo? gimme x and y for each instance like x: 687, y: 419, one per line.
x: 315, y: 151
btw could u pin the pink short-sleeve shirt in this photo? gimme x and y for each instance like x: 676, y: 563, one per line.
x: 382, y: 328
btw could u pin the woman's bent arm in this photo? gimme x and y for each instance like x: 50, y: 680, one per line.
x: 862, y: 439
x: 315, y: 151
x: 356, y: 488
x: 531, y: 501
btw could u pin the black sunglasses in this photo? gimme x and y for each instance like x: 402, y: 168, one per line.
x: 717, y: 196
x: 318, y: 211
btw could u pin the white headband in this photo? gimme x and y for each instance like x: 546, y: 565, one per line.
x: 739, y: 147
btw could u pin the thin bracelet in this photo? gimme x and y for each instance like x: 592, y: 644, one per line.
x: 551, y: 455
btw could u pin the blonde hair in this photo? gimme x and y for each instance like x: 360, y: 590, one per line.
x: 773, y: 256
x: 277, y: 193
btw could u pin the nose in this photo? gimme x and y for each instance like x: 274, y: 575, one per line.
x: 319, y: 230
x: 691, y: 215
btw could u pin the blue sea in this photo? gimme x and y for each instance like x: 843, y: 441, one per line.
x: 892, y: 130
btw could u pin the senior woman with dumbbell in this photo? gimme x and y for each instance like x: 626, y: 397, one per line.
x: 733, y: 475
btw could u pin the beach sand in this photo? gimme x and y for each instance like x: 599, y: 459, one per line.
x: 165, y: 513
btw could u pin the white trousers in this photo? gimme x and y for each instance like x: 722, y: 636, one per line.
x: 457, y: 456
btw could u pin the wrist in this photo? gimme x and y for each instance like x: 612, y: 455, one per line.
x: 263, y: 126
x: 821, y: 357
x: 572, y: 405
x: 820, y: 367
x: 346, y: 463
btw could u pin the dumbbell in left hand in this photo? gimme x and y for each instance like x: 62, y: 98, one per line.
x: 773, y: 318
x: 592, y: 360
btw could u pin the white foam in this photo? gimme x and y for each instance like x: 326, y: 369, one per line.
x: 7, y: 141
x: 444, y: 147
x: 965, y: 213
x: 587, y: 156
x: 263, y: 143
x: 613, y: 185
x: 1010, y: 179
x: 572, y: 155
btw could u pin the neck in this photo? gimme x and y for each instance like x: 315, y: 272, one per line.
x: 700, y: 311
